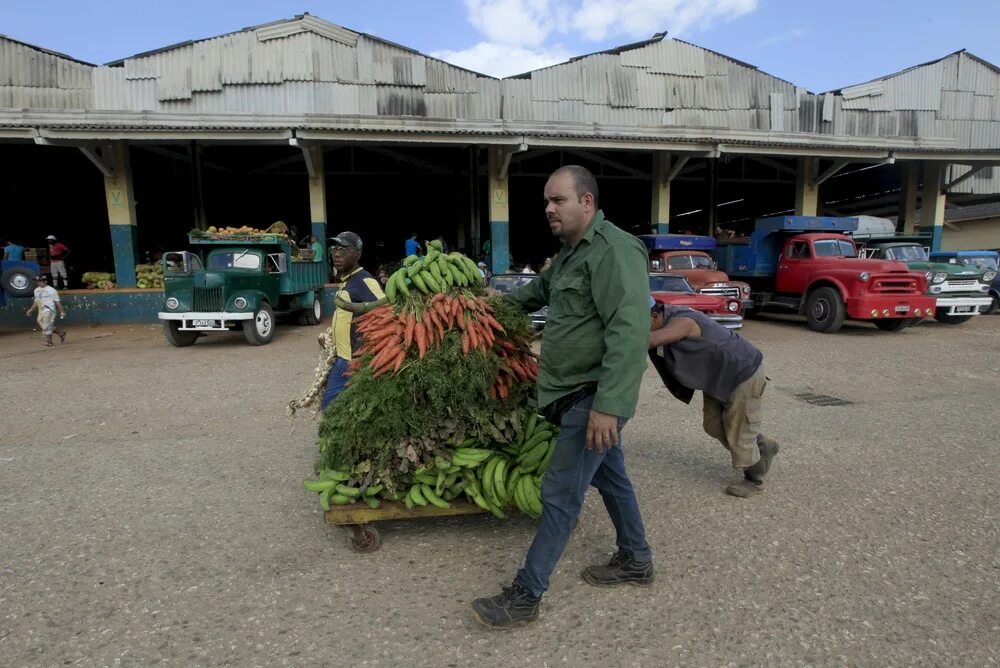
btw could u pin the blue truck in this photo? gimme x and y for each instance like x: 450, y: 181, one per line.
x: 241, y: 283
x: 17, y: 278
x: 808, y: 265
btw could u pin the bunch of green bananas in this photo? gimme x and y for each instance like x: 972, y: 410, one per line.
x: 334, y: 488
x: 435, y: 272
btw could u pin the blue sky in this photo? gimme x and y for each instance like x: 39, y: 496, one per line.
x: 818, y: 45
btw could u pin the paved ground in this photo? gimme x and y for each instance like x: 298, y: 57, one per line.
x: 151, y: 512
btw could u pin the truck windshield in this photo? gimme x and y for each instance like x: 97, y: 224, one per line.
x: 833, y: 248
x: 906, y: 254
x: 234, y: 260
x: 669, y: 284
x: 689, y: 262
x: 981, y: 262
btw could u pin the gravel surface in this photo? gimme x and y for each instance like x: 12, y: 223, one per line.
x: 151, y: 512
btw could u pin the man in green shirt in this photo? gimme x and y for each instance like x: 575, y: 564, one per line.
x: 592, y: 361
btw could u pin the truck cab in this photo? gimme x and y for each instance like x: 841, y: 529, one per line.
x: 809, y: 265
x: 961, y: 291
x: 237, y: 284
x: 688, y: 255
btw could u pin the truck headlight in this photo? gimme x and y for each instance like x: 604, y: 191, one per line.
x: 864, y: 276
x: 989, y: 276
x: 172, y: 303
x: 733, y: 306
x: 939, y: 277
x: 240, y: 303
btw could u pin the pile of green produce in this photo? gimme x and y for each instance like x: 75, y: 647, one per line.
x: 440, y: 403
x: 98, y: 280
x: 496, y: 478
x: 149, y: 276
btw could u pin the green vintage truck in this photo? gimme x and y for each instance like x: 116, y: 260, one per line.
x: 962, y: 291
x: 238, y: 283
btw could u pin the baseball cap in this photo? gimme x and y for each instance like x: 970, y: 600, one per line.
x: 481, y: 264
x: 51, y: 237
x: 348, y: 239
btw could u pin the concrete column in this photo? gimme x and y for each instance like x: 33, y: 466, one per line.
x: 806, y: 190
x: 317, y: 194
x: 499, y: 212
x: 121, y: 212
x: 660, y: 211
x: 907, y: 217
x: 932, y: 202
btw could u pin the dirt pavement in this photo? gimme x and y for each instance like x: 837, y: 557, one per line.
x: 151, y: 512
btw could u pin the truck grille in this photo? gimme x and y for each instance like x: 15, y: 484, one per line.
x: 962, y: 285
x: 733, y: 293
x: 207, y: 299
x: 894, y: 285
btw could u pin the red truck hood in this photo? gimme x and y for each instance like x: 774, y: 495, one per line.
x: 699, y: 302
x: 863, y: 264
x: 701, y: 277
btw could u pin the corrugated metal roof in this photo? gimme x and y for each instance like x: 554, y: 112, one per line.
x: 623, y: 87
x: 516, y: 103
x: 668, y: 57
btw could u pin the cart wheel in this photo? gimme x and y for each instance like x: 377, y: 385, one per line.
x: 362, y: 538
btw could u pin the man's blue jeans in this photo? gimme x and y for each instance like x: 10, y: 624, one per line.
x: 336, y: 382
x: 572, y: 469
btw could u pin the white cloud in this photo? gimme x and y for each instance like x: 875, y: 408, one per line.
x: 598, y: 19
x: 501, y: 60
x: 794, y: 33
x: 522, y: 35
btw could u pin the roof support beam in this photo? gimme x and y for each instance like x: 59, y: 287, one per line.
x: 614, y: 164
x: 676, y: 168
x: 964, y: 177
x: 508, y: 153
x: 774, y: 164
x: 100, y: 161
x: 402, y: 157
x: 830, y: 171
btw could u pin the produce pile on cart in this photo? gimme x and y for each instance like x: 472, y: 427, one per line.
x: 149, y: 276
x: 440, y: 406
x: 276, y: 232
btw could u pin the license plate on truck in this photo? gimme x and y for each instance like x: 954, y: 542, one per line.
x: 902, y: 308
x: 203, y: 323
x: 963, y: 309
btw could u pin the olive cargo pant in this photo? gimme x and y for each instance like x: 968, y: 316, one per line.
x: 736, y: 422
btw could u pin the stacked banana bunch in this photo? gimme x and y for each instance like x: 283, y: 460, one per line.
x: 493, y: 479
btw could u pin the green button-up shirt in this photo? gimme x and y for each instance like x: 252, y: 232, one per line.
x: 597, y: 330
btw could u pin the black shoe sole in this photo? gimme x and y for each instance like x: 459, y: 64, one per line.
x: 636, y: 583
x: 503, y: 627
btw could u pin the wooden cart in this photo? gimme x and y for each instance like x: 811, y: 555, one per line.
x: 357, y: 519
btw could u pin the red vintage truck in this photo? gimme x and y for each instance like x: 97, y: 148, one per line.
x: 688, y: 255
x: 808, y: 265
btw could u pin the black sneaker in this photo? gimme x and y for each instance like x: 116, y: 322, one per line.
x: 622, y: 569
x: 513, y: 606
x: 768, y: 449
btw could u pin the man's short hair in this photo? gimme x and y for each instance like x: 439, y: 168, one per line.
x: 583, y: 180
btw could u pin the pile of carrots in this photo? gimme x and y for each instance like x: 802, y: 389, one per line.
x: 391, y: 336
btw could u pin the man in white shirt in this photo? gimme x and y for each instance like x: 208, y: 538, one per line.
x: 47, y: 302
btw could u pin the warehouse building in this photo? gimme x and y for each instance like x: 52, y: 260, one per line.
x: 313, y: 124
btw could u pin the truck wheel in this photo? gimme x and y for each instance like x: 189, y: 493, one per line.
x: 824, y: 310
x: 893, y: 324
x: 176, y: 336
x: 941, y: 315
x: 18, y: 282
x: 260, y: 329
x: 994, y: 305
x: 313, y: 314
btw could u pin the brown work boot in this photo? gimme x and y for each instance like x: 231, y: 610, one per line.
x: 622, y: 569
x: 768, y: 449
x: 745, y: 489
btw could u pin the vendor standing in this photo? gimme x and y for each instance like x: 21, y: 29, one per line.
x: 58, y: 252
x: 357, y: 293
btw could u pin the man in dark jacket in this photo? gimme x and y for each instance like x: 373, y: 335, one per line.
x: 692, y: 352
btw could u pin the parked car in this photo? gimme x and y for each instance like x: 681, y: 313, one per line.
x: 675, y: 290
x: 987, y: 260
x: 509, y: 282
